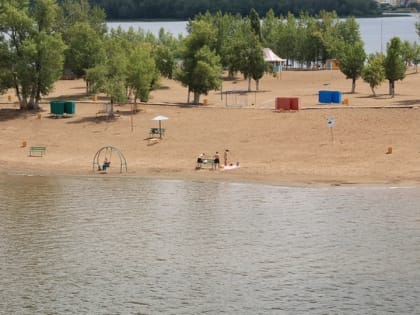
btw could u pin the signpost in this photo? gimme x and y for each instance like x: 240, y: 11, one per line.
x: 330, y: 124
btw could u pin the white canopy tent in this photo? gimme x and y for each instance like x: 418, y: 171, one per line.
x: 271, y: 57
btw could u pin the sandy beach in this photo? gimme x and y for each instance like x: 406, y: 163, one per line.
x: 278, y: 147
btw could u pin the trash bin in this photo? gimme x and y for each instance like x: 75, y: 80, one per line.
x: 324, y: 97
x: 57, y: 108
x: 294, y: 103
x: 336, y: 97
x: 70, y: 107
x: 282, y: 103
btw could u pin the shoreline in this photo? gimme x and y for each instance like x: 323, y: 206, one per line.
x: 308, y: 183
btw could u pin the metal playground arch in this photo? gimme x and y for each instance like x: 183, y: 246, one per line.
x: 106, y: 153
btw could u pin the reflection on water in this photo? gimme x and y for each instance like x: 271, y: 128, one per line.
x: 95, y: 245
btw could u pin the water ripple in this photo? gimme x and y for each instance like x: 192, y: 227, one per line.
x: 141, y: 246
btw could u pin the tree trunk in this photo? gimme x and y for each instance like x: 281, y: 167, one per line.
x: 36, y: 90
x: 22, y: 105
x: 353, y: 86
x: 196, y: 98
x: 37, y: 98
x: 257, y: 85
x: 391, y: 88
x: 373, y: 90
x: 32, y: 103
x: 188, y: 97
x: 111, y: 113
x: 249, y: 84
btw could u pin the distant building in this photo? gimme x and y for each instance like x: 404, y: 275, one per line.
x: 398, y: 3
x: 406, y: 3
x: 394, y: 3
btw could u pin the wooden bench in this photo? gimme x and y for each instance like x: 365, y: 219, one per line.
x: 156, y: 132
x: 37, y: 151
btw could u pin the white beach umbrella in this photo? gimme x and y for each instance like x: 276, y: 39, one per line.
x: 160, y: 118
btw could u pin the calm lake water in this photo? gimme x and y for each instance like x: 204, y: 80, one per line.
x: 376, y: 32
x: 110, y: 245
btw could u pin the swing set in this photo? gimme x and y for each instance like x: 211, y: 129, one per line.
x: 102, y: 159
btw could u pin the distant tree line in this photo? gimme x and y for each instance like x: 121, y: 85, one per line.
x: 185, y: 9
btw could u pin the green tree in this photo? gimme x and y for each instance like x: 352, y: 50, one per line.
x: 201, y: 69
x: 165, y: 51
x: 245, y: 53
x: 409, y: 51
x: 239, y: 31
x: 346, y: 45
x: 351, y: 61
x: 128, y: 68
x: 225, y: 26
x: 34, y: 49
x: 255, y: 23
x: 288, y: 39
x: 165, y: 61
x: 259, y: 67
x: 394, y: 63
x: 85, y: 49
x: 83, y: 28
x: 142, y: 73
x: 416, y: 57
x: 110, y: 75
x: 327, y: 34
x: 309, y: 46
x: 252, y: 64
x: 6, y: 77
x: 348, y: 30
x: 81, y: 11
x: 373, y: 72
x: 269, y: 27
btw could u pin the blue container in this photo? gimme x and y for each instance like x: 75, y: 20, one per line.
x: 57, y: 107
x: 336, y: 97
x: 70, y: 107
x: 324, y: 97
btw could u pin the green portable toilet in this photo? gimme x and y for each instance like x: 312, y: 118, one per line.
x: 70, y: 107
x: 57, y: 108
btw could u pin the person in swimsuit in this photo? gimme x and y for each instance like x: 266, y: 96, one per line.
x: 216, y: 162
x: 225, y: 157
x: 200, y: 161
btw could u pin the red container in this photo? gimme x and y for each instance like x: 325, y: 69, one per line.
x: 294, y: 103
x: 282, y: 103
